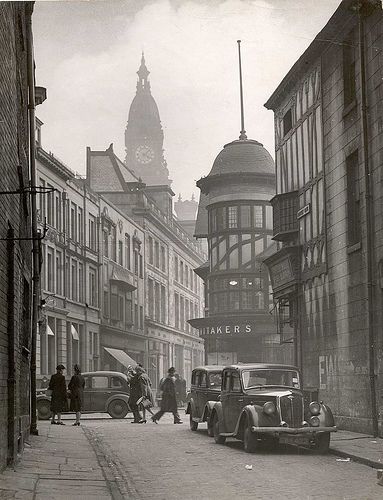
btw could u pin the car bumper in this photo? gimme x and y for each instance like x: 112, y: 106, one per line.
x: 291, y: 430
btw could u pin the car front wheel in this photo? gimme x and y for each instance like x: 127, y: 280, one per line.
x: 217, y: 438
x: 43, y: 410
x: 193, y: 425
x: 118, y: 408
x: 250, y: 441
x: 322, y: 442
x: 210, y: 430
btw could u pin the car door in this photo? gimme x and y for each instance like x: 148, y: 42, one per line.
x: 99, y: 392
x: 234, y: 401
x: 202, y: 392
x: 86, y: 400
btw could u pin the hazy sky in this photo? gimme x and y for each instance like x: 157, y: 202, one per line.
x: 87, y: 54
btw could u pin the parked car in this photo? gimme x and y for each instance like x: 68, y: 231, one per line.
x: 104, y: 391
x: 265, y: 402
x: 205, y: 389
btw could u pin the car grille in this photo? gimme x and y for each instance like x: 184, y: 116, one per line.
x: 292, y: 410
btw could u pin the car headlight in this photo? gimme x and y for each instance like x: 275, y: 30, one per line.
x: 314, y: 421
x: 269, y: 408
x: 314, y: 408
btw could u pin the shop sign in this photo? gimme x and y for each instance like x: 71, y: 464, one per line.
x: 241, y: 329
x: 281, y: 272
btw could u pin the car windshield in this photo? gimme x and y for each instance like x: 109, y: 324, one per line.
x: 215, y: 380
x: 260, y: 378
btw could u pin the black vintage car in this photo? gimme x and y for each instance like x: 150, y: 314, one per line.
x: 104, y: 391
x: 265, y: 402
x: 204, y: 391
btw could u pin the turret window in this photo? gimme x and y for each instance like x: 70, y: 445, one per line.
x: 233, y: 217
x: 238, y: 217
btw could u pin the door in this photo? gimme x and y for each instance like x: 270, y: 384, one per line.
x: 201, y: 393
x: 234, y: 401
x: 99, y: 392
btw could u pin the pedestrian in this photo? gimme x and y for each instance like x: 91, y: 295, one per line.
x: 169, y: 400
x: 146, y: 402
x: 57, y: 387
x: 76, y: 393
x: 180, y: 384
x: 136, y: 393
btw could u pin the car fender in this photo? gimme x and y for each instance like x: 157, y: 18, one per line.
x: 43, y: 398
x: 124, y: 397
x: 190, y: 406
x: 250, y: 414
x: 325, y: 416
x: 207, y: 411
x: 217, y: 410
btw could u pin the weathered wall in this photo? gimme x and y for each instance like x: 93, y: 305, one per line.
x: 14, y: 312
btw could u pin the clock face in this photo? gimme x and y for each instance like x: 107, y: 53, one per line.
x: 144, y: 154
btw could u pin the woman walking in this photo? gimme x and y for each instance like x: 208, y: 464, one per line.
x: 76, y: 388
x: 57, y: 387
x: 146, y: 402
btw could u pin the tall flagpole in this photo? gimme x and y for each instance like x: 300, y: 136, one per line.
x: 243, y: 135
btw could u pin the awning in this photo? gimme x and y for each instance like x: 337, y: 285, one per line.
x: 121, y: 357
x: 49, y: 331
x: 74, y: 333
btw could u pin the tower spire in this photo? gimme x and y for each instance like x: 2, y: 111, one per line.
x: 242, y: 135
x: 143, y: 74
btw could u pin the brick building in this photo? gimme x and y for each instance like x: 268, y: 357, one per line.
x: 15, y: 224
x: 327, y: 270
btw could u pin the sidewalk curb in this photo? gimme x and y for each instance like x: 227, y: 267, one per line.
x: 357, y: 458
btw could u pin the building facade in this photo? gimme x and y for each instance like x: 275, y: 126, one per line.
x: 328, y: 212
x: 235, y: 216
x: 15, y: 230
x: 70, y: 270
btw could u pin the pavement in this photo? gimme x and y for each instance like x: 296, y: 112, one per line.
x: 63, y: 463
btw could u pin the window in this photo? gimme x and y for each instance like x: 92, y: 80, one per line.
x: 74, y: 281
x: 120, y: 254
x: 141, y: 318
x: 226, y: 381
x: 136, y: 315
x: 245, y: 216
x: 163, y: 259
x: 150, y: 244
x: 105, y: 239
x: 80, y: 225
x: 163, y: 304
x: 235, y: 382
x: 121, y: 306
x: 287, y: 121
x: 141, y: 264
x: 73, y: 222
x: 136, y: 262
x: 186, y: 276
x: 99, y: 382
x: 113, y: 250
x: 181, y: 272
x: 106, y: 304
x: 67, y: 276
x: 176, y: 310
x: 182, y: 313
x: 258, y: 216
x: 92, y: 243
x: 127, y: 251
x: 116, y: 382
x: 59, y: 270
x: 349, y: 86
x: 353, y: 199
x: 176, y: 273
x: 191, y: 278
x: 92, y: 287
x: 42, y: 200
x: 157, y: 301
x: 50, y: 205
x: 156, y: 254
x: 233, y: 217
x: 50, y: 270
x: 150, y: 298
x: 129, y: 309
x: 58, y: 211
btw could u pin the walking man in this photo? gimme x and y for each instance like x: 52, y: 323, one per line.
x: 169, y: 400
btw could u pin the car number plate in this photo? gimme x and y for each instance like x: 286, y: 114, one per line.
x: 303, y: 440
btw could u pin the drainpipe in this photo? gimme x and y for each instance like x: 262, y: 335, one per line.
x: 369, y: 229
x: 35, y: 235
x: 11, y: 382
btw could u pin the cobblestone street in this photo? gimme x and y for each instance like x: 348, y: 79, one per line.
x: 166, y: 461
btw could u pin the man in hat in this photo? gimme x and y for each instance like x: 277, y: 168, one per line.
x: 57, y: 386
x: 169, y: 400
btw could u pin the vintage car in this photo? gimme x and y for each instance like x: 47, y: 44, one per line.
x: 204, y: 392
x: 104, y: 391
x: 265, y: 402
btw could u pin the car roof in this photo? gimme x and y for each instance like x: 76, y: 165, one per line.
x: 209, y: 368
x: 105, y: 373
x: 249, y: 366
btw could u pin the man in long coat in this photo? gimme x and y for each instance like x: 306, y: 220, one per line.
x: 169, y: 399
x: 135, y: 394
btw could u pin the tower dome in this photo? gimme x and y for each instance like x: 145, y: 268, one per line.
x: 243, y: 156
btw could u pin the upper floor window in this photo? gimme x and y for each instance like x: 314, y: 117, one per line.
x: 92, y: 243
x: 353, y: 199
x: 287, y: 121
x: 232, y: 217
x: 127, y: 251
x: 349, y: 86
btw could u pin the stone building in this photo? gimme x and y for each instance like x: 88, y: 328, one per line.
x: 71, y: 259
x: 327, y: 271
x: 235, y: 216
x: 15, y: 230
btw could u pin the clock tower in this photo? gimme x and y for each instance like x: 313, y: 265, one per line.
x: 144, y: 136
